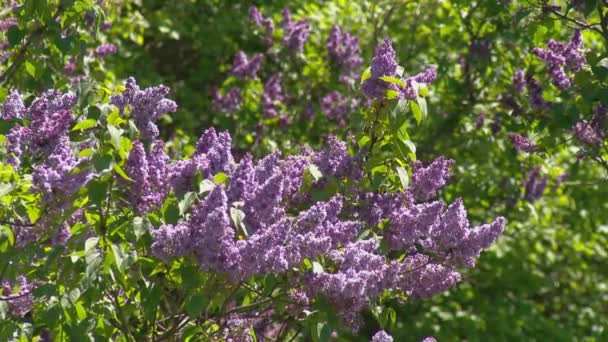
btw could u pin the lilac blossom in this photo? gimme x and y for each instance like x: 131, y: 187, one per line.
x: 104, y: 50
x: 535, y: 185
x: 229, y: 102
x: 244, y: 68
x: 426, y: 181
x: 7, y: 23
x: 535, y: 93
x: 18, y: 138
x: 382, y: 336
x: 521, y: 144
x: 519, y: 81
x: 272, y: 96
x: 384, y: 63
x: 296, y: 33
x: 56, y: 177
x: 13, y: 107
x: 335, y: 106
x: 343, y: 48
x: 272, y: 237
x: 563, y: 55
x: 146, y: 105
x: 149, y: 175
x: 20, y: 302
x: 592, y: 133
x: 70, y: 67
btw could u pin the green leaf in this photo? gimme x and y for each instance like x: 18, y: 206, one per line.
x: 237, y: 217
x: 85, y: 124
x: 119, y: 257
x: 140, y: 227
x: 114, y: 118
x: 317, y: 267
x: 97, y: 190
x: 5, y: 188
x: 121, y: 172
x: 220, y: 178
x: 416, y: 111
x: 196, y: 305
x: 186, y: 203
x: 403, y: 177
x: 315, y: 172
x: 367, y: 73
x: 115, y: 134
x: 394, y: 80
x: 30, y: 68
x: 205, y: 186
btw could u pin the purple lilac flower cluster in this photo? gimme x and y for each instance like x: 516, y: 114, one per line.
x: 563, y: 55
x: 20, y: 302
x: 271, y: 236
x: 295, y: 33
x: 244, y: 67
x: 343, y: 48
x: 519, y: 81
x: 49, y: 117
x: 384, y: 63
x: 335, y: 107
x: 104, y: 50
x: 146, y: 105
x: 229, y: 102
x: 259, y: 21
x: 382, y: 336
x: 272, y: 96
x: 150, y: 176
x: 535, y: 93
x: 535, y: 185
x: 521, y: 144
x: 592, y: 132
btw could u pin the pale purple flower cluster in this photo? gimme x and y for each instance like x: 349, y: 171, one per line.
x: 295, y: 33
x: 519, y: 81
x: 335, y: 106
x: 426, y: 181
x: 521, y: 144
x: 13, y: 107
x: 104, y: 50
x: 336, y: 161
x: 592, y: 133
x: 7, y: 23
x: 560, y: 55
x: 259, y: 21
x: 212, y: 156
x: 49, y: 117
x: 535, y: 93
x: 146, y: 105
x: 382, y: 336
x: 229, y: 102
x: 384, y: 63
x: 535, y: 185
x: 343, y: 48
x: 150, y: 176
x: 258, y: 223
x: 272, y: 96
x: 55, y: 177
x: 70, y: 67
x: 273, y: 240
x: 244, y: 68
x: 20, y: 302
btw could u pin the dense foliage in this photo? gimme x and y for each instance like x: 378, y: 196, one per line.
x: 303, y: 172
